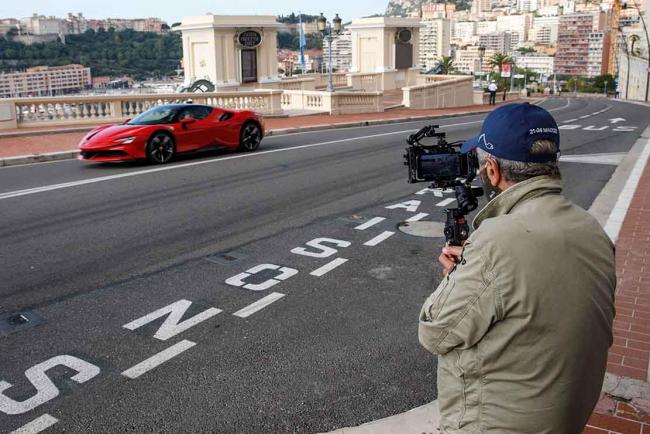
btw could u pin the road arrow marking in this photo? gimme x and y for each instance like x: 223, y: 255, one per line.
x: 617, y: 120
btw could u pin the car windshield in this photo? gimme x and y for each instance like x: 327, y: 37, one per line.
x: 156, y: 115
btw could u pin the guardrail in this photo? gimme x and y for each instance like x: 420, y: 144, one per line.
x: 450, y: 91
x: 80, y: 110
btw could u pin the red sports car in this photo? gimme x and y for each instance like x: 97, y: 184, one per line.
x: 164, y: 131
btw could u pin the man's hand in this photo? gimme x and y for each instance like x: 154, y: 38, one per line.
x: 449, y: 257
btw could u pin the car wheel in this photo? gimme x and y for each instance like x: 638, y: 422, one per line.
x: 250, y: 137
x: 160, y: 148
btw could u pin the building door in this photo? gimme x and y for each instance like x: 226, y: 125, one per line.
x: 249, y: 66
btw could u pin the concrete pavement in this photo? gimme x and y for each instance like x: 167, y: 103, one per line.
x: 94, y: 252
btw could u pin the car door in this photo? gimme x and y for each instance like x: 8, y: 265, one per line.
x: 228, y: 126
x: 194, y: 128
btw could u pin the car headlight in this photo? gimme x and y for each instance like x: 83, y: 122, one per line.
x: 125, y: 140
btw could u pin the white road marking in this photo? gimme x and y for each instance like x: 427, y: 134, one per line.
x: 238, y: 280
x: 158, y: 359
x: 409, y: 205
x: 562, y: 127
x: 417, y: 217
x: 173, y: 324
x: 625, y: 128
x: 570, y: 120
x: 613, y: 159
x: 39, y: 424
x: 617, y: 120
x: 446, y: 201
x: 328, y: 267
x: 258, y: 305
x: 29, y: 191
x: 594, y: 128
x: 324, y: 251
x: 373, y: 221
x: 379, y: 238
x: 584, y: 117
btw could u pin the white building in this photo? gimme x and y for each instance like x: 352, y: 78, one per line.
x: 597, y: 43
x: 341, y: 52
x: 500, y: 42
x: 463, y: 30
x: 41, y: 25
x: 468, y: 60
x: 536, y: 63
x: 544, y: 30
x: 45, y: 80
x: 435, y: 36
x: 486, y: 27
x: 515, y: 23
x: 527, y: 5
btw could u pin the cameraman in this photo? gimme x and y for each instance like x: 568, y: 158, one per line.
x: 522, y: 320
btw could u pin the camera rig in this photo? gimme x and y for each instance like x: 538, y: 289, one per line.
x: 442, y: 164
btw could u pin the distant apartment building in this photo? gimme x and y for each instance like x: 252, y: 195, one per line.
x: 463, y: 30
x: 341, y: 52
x: 486, y: 27
x: 527, y: 5
x: 438, y: 10
x: 468, y: 60
x: 519, y: 24
x: 41, y: 25
x: 435, y: 37
x: 45, y: 80
x: 76, y: 24
x: 544, y: 30
x: 582, y: 45
x: 500, y: 42
x: 539, y: 64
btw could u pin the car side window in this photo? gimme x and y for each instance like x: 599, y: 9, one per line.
x: 225, y: 116
x: 199, y: 112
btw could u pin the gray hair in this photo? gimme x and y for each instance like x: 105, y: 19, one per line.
x: 517, y: 171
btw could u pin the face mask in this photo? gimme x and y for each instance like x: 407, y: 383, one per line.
x: 490, y: 190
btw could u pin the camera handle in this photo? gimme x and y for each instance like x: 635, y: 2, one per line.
x: 456, y: 226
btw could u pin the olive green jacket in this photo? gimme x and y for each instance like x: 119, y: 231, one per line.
x: 523, y: 323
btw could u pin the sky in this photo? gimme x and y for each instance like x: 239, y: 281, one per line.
x: 175, y: 10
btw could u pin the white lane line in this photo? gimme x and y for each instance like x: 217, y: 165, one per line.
x: 328, y: 267
x: 612, y: 158
x: 158, y: 359
x: 417, y: 217
x: 446, y: 201
x: 570, y: 120
x: 373, y: 221
x: 37, y: 425
x: 379, y: 238
x: 258, y: 305
x: 584, y: 117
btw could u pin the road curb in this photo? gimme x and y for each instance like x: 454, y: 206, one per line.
x: 72, y: 154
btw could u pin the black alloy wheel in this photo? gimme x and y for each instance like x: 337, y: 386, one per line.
x: 160, y: 148
x: 250, y: 137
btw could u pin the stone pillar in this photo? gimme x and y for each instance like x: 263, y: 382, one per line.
x: 8, y: 115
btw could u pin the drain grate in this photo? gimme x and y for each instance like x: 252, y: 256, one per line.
x: 225, y: 258
x: 18, y: 321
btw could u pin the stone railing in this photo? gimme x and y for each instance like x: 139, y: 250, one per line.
x: 454, y: 91
x: 387, y: 80
x: 80, y: 110
x: 292, y: 83
x: 339, y: 79
x: 369, y: 82
x: 335, y: 103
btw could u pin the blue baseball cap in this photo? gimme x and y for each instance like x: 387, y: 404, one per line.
x: 510, y: 130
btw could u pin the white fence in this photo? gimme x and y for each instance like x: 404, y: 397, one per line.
x: 445, y: 91
x: 336, y: 103
x: 80, y: 110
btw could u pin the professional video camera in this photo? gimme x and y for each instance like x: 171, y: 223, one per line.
x: 444, y: 166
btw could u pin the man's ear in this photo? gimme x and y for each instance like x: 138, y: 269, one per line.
x: 493, y: 172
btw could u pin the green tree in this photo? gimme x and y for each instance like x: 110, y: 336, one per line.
x: 445, y: 66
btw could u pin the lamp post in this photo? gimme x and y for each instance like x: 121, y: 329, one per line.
x: 328, y: 30
x: 512, y: 73
x: 481, y: 53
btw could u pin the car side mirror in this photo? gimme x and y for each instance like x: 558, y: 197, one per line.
x: 126, y: 121
x: 187, y: 121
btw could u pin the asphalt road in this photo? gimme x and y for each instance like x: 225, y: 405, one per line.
x: 89, y: 249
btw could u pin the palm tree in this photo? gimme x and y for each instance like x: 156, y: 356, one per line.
x: 498, y: 60
x: 445, y: 66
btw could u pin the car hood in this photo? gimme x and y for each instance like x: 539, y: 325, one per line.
x: 113, y: 132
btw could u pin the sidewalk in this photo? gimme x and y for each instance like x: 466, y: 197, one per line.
x: 15, y: 143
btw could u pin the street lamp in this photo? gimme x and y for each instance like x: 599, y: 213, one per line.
x: 328, y: 30
x: 481, y: 53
